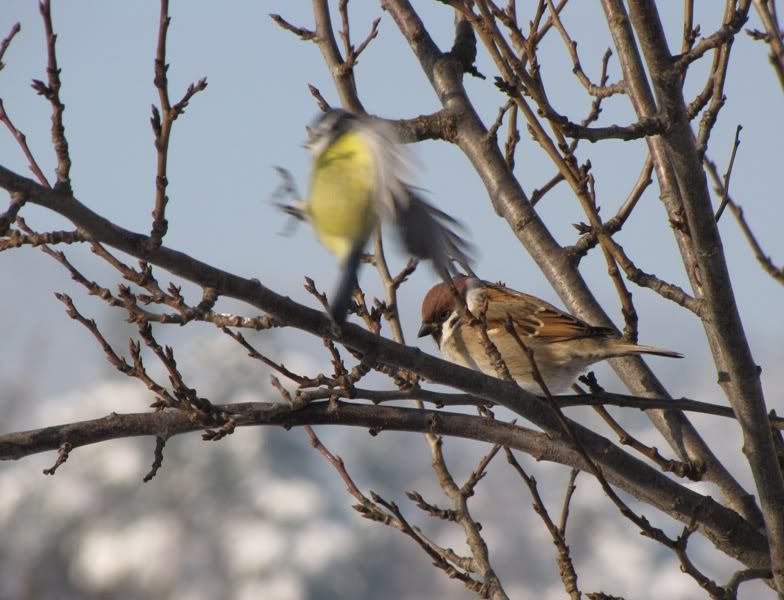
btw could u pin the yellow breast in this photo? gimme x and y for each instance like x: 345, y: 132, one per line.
x: 341, y: 206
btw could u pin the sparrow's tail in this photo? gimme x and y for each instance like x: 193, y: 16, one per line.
x: 341, y: 299
x: 624, y: 348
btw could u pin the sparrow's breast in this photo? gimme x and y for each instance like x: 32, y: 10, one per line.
x: 456, y: 348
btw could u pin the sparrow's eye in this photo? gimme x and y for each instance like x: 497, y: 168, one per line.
x: 443, y: 315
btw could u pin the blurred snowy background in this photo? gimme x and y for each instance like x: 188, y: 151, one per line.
x: 260, y: 514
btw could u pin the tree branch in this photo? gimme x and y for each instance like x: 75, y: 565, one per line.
x: 722, y: 526
x: 738, y: 372
x: 674, y: 199
x: 555, y: 262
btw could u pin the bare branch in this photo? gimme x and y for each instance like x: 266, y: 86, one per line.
x: 62, y: 455
x: 340, y: 67
x: 52, y: 93
x: 738, y: 372
x: 681, y: 469
x: 565, y: 564
x: 677, y: 182
x: 722, y: 36
x: 471, y: 528
x: 589, y: 239
x: 162, y: 122
x: 16, y: 239
x: 602, y: 91
x: 765, y: 261
x: 160, y: 443
x: 16, y: 28
x: 772, y: 36
x: 714, y: 520
x: 305, y: 35
x: 22, y: 141
x: 725, y: 184
x: 570, y: 489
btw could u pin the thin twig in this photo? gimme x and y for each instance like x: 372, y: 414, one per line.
x: 160, y: 443
x: 52, y: 93
x: 772, y: 36
x: 764, y: 260
x: 301, y: 32
x: 162, y: 121
x: 22, y: 141
x: 570, y: 489
x: 725, y: 184
x: 681, y: 469
x: 15, y: 28
x: 62, y: 455
x: 565, y: 564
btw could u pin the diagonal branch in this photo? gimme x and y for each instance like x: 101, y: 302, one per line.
x: 565, y: 564
x: 673, y: 192
x: 342, y: 71
x: 772, y: 36
x: 765, y: 261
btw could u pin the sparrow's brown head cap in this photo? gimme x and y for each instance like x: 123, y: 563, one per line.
x: 439, y: 303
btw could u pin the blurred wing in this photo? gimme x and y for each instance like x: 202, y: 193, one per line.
x: 426, y: 232
x: 394, y: 166
x: 429, y: 233
x: 532, y: 317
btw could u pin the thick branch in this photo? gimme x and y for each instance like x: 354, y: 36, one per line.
x: 673, y: 198
x: 738, y: 373
x: 730, y: 533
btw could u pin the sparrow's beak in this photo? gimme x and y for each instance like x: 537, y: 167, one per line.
x: 426, y: 329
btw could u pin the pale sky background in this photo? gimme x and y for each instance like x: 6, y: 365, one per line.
x: 252, y: 116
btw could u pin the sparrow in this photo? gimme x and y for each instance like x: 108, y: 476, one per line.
x: 361, y: 176
x: 563, y: 346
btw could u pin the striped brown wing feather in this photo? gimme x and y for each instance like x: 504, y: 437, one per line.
x: 536, y: 318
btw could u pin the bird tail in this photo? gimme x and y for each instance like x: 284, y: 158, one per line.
x: 429, y: 233
x: 341, y: 299
x: 638, y: 349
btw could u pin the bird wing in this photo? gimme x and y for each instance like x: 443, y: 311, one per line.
x: 426, y: 231
x: 429, y: 233
x: 532, y: 317
x: 394, y: 166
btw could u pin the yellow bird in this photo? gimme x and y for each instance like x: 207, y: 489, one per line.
x: 360, y: 176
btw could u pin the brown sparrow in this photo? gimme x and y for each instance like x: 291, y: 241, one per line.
x: 563, y: 346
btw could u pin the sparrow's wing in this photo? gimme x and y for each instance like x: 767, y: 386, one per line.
x: 532, y: 317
